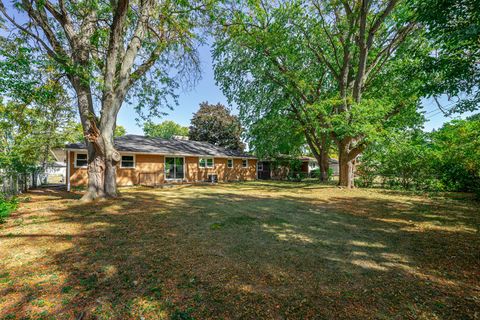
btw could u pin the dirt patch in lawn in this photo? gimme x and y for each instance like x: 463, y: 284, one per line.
x: 260, y: 250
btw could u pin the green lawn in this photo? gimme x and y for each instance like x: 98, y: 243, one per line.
x: 260, y: 250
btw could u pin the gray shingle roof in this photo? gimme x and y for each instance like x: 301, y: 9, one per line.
x: 141, y: 144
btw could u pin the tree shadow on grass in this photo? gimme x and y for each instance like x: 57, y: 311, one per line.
x: 213, y: 252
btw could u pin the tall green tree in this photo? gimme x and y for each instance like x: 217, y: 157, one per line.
x: 166, y: 130
x: 35, y: 111
x: 110, y: 52
x: 341, y: 69
x: 276, y: 135
x: 215, y: 124
x: 452, y: 69
x: 457, y: 148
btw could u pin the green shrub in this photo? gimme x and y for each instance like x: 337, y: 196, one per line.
x: 7, y: 206
x: 315, y: 173
x: 296, y: 176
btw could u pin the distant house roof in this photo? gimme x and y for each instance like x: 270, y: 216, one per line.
x: 141, y: 144
x: 59, y: 154
x: 331, y: 160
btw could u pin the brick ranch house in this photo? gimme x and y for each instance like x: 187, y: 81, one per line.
x: 155, y: 161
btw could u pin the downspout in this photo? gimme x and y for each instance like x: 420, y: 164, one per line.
x: 68, y: 170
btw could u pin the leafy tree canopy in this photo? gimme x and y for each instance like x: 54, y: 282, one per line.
x: 276, y: 135
x: 35, y: 111
x: 167, y: 129
x: 341, y: 71
x: 215, y: 124
x: 453, y: 27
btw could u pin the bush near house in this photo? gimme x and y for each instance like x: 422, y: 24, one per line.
x: 315, y: 173
x: 444, y: 160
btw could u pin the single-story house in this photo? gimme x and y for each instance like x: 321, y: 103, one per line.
x: 155, y: 161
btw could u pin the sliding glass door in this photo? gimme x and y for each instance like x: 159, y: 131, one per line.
x: 173, y: 168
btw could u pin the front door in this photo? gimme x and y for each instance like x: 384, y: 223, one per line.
x: 264, y: 170
x: 174, y: 168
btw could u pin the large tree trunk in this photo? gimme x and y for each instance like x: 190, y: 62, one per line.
x: 346, y: 178
x: 112, y: 157
x: 319, y: 148
x: 323, y: 164
x: 102, y: 166
x: 96, y: 174
x: 110, y: 107
x: 346, y: 161
x: 95, y: 147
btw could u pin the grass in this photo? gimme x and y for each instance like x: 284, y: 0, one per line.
x: 260, y: 250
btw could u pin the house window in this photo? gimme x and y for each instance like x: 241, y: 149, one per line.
x: 230, y: 163
x: 244, y: 163
x: 174, y: 168
x: 260, y: 166
x: 206, y: 163
x: 128, y: 162
x: 81, y: 160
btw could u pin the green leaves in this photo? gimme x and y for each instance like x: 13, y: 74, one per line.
x: 295, y: 64
x: 35, y: 110
x: 166, y: 130
x: 446, y: 159
x: 453, y: 28
x: 214, y: 124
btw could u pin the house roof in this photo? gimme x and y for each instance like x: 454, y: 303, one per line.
x: 141, y: 144
x: 58, y: 154
x: 330, y: 160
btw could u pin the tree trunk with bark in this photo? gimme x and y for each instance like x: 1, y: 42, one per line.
x: 112, y: 157
x: 323, y: 164
x: 346, y: 171
x: 347, y: 155
x: 319, y: 148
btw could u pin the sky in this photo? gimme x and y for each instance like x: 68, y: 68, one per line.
x: 189, y: 101
x: 207, y: 90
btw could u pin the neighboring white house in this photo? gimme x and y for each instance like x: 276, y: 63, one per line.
x: 313, y: 164
x: 55, y: 172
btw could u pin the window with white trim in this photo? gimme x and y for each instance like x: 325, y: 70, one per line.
x: 244, y: 163
x: 128, y: 161
x: 230, y: 163
x: 205, y: 162
x: 81, y: 160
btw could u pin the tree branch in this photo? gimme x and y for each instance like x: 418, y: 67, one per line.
x: 50, y: 51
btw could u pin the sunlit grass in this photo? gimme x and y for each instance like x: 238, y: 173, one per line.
x: 244, y: 250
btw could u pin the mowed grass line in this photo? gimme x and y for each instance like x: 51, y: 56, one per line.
x: 258, y: 250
